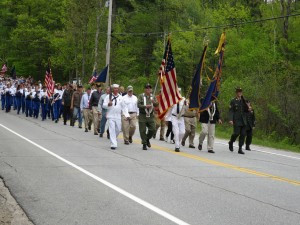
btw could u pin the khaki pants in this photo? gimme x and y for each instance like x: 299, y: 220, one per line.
x: 190, y: 129
x: 88, y: 118
x: 128, y: 126
x: 96, y: 119
x: 160, y: 124
x: 209, y: 130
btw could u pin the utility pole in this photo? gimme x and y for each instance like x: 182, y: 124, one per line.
x: 108, y: 41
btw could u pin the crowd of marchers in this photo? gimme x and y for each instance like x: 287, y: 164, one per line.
x: 114, y: 109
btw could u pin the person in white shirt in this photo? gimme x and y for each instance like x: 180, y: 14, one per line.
x: 176, y: 113
x: 115, y: 105
x: 85, y: 109
x: 129, y: 125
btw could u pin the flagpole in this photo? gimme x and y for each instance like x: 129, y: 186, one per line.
x: 158, y: 76
x: 108, y: 41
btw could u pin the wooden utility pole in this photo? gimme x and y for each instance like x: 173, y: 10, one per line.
x: 108, y: 41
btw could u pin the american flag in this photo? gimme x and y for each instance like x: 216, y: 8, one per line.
x: 94, y: 77
x: 49, y: 81
x: 169, y: 94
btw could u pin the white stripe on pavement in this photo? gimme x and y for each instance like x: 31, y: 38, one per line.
x: 108, y: 184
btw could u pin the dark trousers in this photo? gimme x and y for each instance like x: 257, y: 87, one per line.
x: 146, y: 123
x: 14, y: 102
x: 67, y: 113
x: 28, y: 110
x: 170, y: 130
x: 238, y: 131
x: 8, y: 99
x: 44, y: 111
x: 3, y: 101
x: 103, y: 121
x: 249, y: 133
x: 36, y: 109
x: 23, y: 104
x: 19, y: 104
x: 56, y: 109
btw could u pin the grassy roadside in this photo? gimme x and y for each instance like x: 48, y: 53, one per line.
x: 224, y: 132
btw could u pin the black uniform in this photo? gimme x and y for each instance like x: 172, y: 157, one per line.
x: 249, y: 127
x: 238, y: 114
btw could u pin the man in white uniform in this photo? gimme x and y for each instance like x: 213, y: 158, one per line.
x: 115, y: 105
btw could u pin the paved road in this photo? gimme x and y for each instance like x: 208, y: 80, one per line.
x: 61, y: 175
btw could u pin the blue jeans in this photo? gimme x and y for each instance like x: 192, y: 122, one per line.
x: 3, y: 101
x: 103, y: 121
x: 28, y: 110
x: 56, y: 109
x: 77, y: 115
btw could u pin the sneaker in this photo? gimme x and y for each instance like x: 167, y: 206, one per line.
x: 177, y: 150
x: 230, y: 146
x: 211, y: 151
x: 200, y: 147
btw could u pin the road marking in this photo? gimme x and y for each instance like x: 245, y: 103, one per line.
x: 108, y: 184
x: 225, y: 165
x: 266, y: 152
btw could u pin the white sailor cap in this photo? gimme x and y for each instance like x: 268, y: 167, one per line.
x: 115, y: 86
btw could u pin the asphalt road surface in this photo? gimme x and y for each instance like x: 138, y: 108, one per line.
x: 62, y: 175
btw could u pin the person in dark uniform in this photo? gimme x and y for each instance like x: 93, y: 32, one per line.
x: 66, y: 102
x: 237, y: 117
x: 250, y: 125
x: 146, y: 104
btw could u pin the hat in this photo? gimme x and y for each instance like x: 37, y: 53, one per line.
x: 79, y: 86
x: 148, y: 86
x: 129, y: 88
x: 238, y: 89
x: 115, y: 86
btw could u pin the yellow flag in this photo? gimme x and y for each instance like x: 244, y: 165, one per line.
x: 221, y: 42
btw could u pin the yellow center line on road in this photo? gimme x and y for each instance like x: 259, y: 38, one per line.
x: 221, y: 164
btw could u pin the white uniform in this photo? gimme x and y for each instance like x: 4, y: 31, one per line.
x: 113, y: 116
x: 178, y: 126
x: 129, y: 125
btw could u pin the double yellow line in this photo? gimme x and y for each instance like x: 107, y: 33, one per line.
x: 225, y: 165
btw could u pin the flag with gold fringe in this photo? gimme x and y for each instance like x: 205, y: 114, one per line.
x: 194, y: 96
x: 214, y: 87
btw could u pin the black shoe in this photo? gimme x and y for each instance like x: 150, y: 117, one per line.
x: 100, y: 135
x: 183, y: 143
x: 230, y: 146
x: 148, y: 143
x: 144, y: 147
x: 65, y: 123
x: 80, y: 127
x: 130, y: 139
x: 241, y: 151
x: 177, y: 150
x: 248, y: 148
x: 154, y: 136
x: 113, y: 148
x: 211, y: 151
x: 191, y: 146
x: 95, y: 133
x: 200, y: 147
x: 161, y: 139
x: 86, y: 130
x: 108, y: 136
x: 56, y: 121
x: 126, y: 142
x: 90, y: 127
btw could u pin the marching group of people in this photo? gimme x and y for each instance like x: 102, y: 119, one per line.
x: 111, y: 110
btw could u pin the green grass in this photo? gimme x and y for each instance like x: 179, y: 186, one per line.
x: 224, y: 132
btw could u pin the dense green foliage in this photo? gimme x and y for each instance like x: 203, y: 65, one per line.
x: 263, y: 58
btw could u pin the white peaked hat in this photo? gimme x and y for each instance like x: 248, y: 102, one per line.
x: 115, y: 86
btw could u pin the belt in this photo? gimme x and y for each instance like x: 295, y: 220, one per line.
x: 189, y: 116
x: 132, y: 112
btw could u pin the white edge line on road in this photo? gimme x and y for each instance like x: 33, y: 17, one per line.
x: 266, y: 152
x: 112, y: 186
